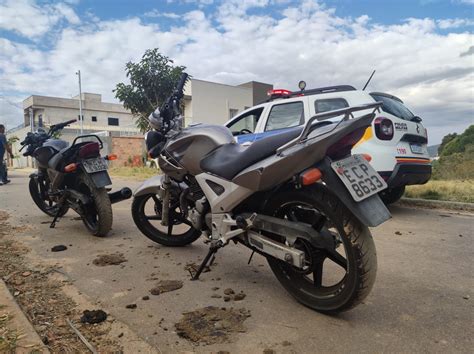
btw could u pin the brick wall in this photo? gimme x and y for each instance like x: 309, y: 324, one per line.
x: 129, y: 150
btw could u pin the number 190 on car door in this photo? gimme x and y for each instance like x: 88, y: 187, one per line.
x: 359, y: 177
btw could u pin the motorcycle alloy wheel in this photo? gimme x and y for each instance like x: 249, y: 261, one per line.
x: 146, y: 212
x: 327, y: 284
x: 39, y: 188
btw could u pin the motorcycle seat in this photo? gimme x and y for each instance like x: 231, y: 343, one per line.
x: 229, y: 159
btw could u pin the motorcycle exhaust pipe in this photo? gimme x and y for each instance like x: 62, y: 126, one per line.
x: 118, y: 196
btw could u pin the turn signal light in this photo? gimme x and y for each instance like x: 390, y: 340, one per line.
x: 367, y: 157
x: 70, y: 168
x: 310, y: 176
x: 111, y: 157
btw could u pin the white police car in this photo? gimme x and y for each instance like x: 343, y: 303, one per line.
x: 396, y: 141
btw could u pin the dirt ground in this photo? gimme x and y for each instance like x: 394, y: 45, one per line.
x: 42, y: 298
x: 421, y: 301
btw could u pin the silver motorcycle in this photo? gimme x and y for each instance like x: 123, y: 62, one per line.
x: 298, y: 198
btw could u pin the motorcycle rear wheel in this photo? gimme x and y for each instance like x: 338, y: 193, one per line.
x: 98, y: 215
x: 313, y: 287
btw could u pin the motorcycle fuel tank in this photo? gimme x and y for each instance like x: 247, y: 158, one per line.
x: 183, y: 153
x: 50, y: 148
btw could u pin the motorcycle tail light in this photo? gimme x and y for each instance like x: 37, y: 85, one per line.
x: 344, y: 146
x: 89, y: 150
x: 383, y: 128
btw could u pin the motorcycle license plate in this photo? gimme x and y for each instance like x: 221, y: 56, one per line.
x: 360, y: 179
x: 95, y: 165
x: 416, y: 149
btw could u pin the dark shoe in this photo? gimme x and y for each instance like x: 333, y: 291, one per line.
x: 6, y: 181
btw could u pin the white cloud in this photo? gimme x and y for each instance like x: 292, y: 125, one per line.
x: 157, y: 13
x: 430, y: 71
x: 31, y: 20
x: 454, y: 23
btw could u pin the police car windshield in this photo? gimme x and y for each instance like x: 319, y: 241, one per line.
x: 394, y: 107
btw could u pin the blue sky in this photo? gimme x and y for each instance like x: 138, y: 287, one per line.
x: 422, y: 50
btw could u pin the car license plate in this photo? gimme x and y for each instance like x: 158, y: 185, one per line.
x: 95, y: 165
x: 416, y: 148
x: 360, y: 179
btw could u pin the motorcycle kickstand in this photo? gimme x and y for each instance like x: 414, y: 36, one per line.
x: 56, y: 217
x: 210, y: 256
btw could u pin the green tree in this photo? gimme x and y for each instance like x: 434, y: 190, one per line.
x: 152, y: 80
x: 460, y: 142
x: 446, y: 140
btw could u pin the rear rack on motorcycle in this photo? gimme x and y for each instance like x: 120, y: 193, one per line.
x: 347, y: 112
x: 101, y: 144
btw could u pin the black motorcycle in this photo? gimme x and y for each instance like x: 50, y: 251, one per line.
x: 72, y: 176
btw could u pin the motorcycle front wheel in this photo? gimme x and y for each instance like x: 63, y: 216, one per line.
x: 146, y: 212
x: 39, y: 187
x: 329, y: 282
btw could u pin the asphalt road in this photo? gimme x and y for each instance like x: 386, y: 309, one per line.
x: 422, y: 300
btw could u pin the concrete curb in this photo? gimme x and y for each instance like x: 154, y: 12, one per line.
x: 437, y: 204
x: 30, y: 340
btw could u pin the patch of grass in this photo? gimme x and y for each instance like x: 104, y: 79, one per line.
x: 453, y: 190
x: 8, y: 336
x: 138, y: 173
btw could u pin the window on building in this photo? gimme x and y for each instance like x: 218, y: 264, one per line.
x: 113, y: 121
x: 79, y: 117
x: 246, y: 122
x: 285, y: 115
x: 233, y: 112
x: 330, y: 104
x: 40, y: 120
x: 94, y: 118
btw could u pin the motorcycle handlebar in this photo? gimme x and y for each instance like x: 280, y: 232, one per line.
x: 62, y: 125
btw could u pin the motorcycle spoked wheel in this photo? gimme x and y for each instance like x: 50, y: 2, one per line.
x: 97, y: 215
x: 39, y: 187
x: 146, y: 212
x: 328, y: 284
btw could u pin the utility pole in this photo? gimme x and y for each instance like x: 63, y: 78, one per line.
x: 30, y: 111
x: 32, y: 123
x: 78, y: 73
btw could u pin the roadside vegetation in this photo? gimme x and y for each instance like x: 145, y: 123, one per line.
x: 454, y: 191
x: 8, y: 336
x: 453, y: 172
x: 138, y: 173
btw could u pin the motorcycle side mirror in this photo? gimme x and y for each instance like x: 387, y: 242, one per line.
x: 416, y: 119
x: 152, y: 139
x: 155, y: 152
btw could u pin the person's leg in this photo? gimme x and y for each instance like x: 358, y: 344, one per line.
x: 5, y: 172
x: 3, y: 176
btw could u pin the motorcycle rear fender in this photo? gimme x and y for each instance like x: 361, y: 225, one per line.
x: 100, y: 179
x: 371, y: 211
x: 150, y: 186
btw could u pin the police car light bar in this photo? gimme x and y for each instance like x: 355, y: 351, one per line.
x: 278, y: 92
